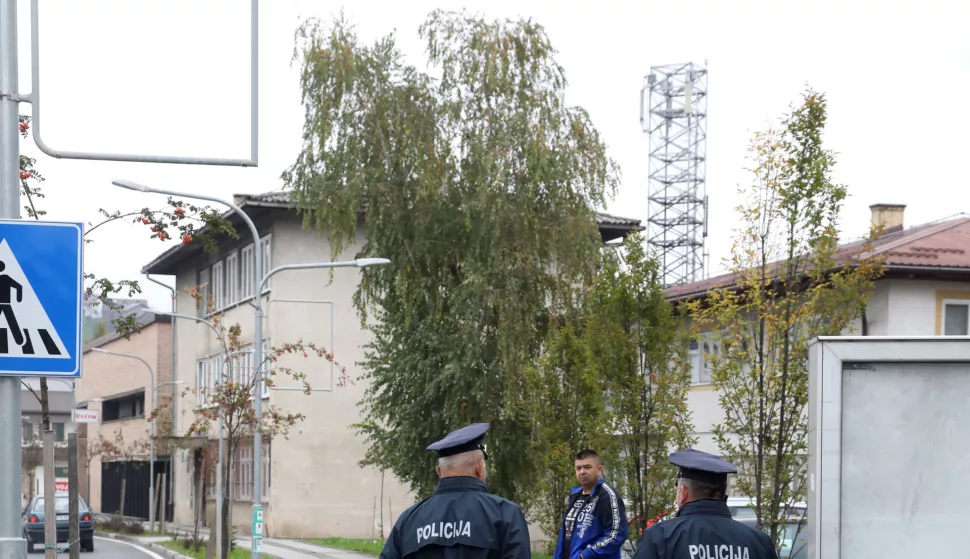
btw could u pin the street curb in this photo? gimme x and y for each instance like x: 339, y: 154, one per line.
x: 314, y: 553
x: 161, y: 550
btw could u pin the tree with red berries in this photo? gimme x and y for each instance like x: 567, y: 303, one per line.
x: 232, y: 391
x: 193, y: 223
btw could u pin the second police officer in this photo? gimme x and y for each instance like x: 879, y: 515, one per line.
x: 461, y: 520
x: 703, y: 527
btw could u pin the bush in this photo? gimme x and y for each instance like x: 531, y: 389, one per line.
x: 189, y: 543
x: 121, y: 525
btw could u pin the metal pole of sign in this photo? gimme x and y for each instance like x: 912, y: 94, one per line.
x: 12, y: 544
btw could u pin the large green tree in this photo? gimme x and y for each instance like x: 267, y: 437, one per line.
x: 637, y: 348
x: 480, y: 184
x: 793, y: 283
x: 570, y: 414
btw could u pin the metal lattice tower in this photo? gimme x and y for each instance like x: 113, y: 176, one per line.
x: 673, y: 112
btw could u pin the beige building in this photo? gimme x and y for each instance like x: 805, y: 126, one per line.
x: 313, y: 485
x: 924, y: 292
x: 120, y: 388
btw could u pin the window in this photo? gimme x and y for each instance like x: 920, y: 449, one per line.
x: 244, y: 481
x: 59, y: 433
x: 699, y: 354
x: 29, y: 431
x: 246, y: 271
x: 215, y: 371
x: 201, y: 381
x: 232, y: 279
x: 125, y: 407
x: 266, y: 472
x: 265, y: 245
x: 61, y: 505
x: 203, y: 302
x: 218, y: 286
x: 956, y: 317
x: 267, y: 366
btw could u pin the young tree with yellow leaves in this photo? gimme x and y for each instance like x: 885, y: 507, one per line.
x: 792, y: 283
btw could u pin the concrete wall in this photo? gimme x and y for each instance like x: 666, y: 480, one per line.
x: 105, y: 376
x: 316, y: 487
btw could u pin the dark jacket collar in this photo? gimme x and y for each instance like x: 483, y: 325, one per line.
x: 579, y: 488
x: 460, y: 483
x: 705, y: 507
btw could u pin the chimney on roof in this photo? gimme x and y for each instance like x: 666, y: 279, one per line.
x: 888, y: 217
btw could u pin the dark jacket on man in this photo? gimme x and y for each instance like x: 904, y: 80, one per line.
x: 704, y: 528
x: 460, y: 521
x: 598, y: 529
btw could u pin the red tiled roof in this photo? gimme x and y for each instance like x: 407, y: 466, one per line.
x: 944, y: 244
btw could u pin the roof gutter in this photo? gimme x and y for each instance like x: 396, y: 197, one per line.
x: 930, y: 269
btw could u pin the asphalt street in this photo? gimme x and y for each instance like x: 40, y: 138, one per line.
x: 107, y: 549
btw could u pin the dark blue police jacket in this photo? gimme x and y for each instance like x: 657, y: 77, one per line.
x: 460, y: 521
x: 704, y: 529
x: 600, y: 529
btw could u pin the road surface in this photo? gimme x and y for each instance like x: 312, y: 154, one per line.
x: 106, y: 549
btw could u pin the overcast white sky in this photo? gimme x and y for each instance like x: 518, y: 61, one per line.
x: 171, y: 76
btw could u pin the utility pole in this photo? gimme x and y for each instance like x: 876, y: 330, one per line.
x: 12, y: 544
x: 74, y: 531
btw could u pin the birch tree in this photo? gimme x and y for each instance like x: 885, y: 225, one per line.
x: 793, y: 282
x: 480, y: 184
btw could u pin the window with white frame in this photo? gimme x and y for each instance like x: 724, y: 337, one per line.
x: 266, y: 472
x: 699, y: 355
x: 201, y: 381
x: 216, y: 364
x: 244, y: 479
x: 246, y: 271
x: 218, y: 286
x: 265, y: 245
x: 232, y: 279
x: 267, y: 366
x: 956, y: 317
x: 203, y: 304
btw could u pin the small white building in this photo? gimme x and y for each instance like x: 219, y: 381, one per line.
x: 60, y: 400
x: 313, y: 485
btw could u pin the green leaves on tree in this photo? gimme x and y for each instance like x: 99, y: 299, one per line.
x: 481, y: 185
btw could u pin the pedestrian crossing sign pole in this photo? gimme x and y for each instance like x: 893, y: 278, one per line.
x: 41, y: 298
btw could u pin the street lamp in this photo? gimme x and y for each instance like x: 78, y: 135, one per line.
x: 151, y: 463
x: 259, y: 280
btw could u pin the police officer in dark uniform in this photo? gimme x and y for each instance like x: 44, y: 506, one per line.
x: 703, y: 528
x: 461, y: 520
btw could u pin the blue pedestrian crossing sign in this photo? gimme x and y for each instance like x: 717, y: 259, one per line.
x: 41, y: 294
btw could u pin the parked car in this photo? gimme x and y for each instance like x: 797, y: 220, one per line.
x: 33, y: 521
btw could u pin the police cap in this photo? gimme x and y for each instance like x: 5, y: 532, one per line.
x: 465, y: 439
x: 701, y: 466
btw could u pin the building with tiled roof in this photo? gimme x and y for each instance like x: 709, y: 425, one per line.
x: 925, y: 291
x: 301, y: 497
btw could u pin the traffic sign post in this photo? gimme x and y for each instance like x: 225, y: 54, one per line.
x: 41, y: 292
x: 257, y: 528
x: 12, y: 543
